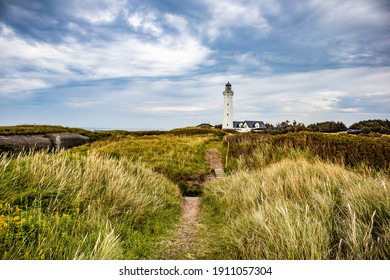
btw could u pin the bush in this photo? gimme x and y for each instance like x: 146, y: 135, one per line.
x: 329, y: 126
x: 342, y: 148
x: 371, y: 126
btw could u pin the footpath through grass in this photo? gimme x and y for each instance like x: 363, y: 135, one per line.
x: 110, y: 199
x: 298, y: 196
x: 179, y: 157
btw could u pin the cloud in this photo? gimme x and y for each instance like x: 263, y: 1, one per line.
x: 343, y: 94
x: 166, y: 62
x: 225, y: 16
x: 343, y: 33
x: 12, y: 88
x: 96, y: 12
x: 145, y: 21
x: 122, y: 55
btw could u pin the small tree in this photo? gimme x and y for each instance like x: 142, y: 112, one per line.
x: 287, y: 126
x: 328, y: 126
x: 376, y: 126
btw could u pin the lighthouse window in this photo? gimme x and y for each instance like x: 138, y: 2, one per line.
x: 228, y: 104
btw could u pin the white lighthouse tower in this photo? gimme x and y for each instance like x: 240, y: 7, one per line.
x: 227, y: 107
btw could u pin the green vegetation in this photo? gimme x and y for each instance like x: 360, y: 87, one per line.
x: 345, y: 149
x: 327, y: 127
x: 284, y: 203
x: 365, y: 127
x: 40, y: 129
x: 305, y: 195
x: 82, y: 207
x: 373, y: 126
x: 179, y: 157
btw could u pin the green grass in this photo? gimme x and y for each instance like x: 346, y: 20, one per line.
x: 46, y: 129
x: 82, y: 207
x: 39, y: 129
x: 287, y: 204
x: 294, y: 196
x: 350, y: 150
x: 179, y: 157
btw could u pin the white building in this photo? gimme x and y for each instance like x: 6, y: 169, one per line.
x: 228, y: 107
x: 228, y: 123
x: 247, y: 126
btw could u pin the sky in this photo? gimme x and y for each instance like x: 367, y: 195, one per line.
x: 163, y: 64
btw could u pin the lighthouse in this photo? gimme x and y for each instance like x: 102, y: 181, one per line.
x: 228, y: 107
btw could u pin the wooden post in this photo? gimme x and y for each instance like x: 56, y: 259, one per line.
x: 227, y: 155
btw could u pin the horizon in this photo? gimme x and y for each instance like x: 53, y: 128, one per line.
x: 97, y: 128
x: 148, y: 64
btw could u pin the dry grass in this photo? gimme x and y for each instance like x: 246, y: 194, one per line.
x: 83, y: 207
x: 298, y: 208
x: 180, y: 158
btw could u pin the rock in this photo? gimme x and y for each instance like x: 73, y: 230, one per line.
x: 67, y: 140
x: 50, y: 141
x: 27, y: 142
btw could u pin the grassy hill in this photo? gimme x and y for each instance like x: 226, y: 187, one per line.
x: 295, y: 196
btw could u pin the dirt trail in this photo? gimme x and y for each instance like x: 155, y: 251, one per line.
x: 213, y: 157
x: 185, y: 246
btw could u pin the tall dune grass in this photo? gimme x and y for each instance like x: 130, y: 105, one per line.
x: 293, y: 206
x: 181, y: 158
x: 82, y: 207
x: 350, y: 150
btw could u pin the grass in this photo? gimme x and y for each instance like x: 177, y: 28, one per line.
x: 40, y: 129
x: 179, y: 157
x: 115, y: 198
x: 350, y: 150
x: 82, y: 207
x: 292, y: 205
x: 295, y: 196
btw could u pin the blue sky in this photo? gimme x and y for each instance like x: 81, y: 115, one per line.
x: 156, y: 64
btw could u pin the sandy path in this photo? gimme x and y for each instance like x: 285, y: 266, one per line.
x: 185, y: 246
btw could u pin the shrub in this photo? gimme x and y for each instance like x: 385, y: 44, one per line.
x: 347, y: 149
x: 330, y: 126
x: 371, y: 126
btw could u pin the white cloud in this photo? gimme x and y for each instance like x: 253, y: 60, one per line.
x: 248, y: 61
x: 96, y: 11
x: 229, y: 14
x: 16, y: 88
x: 314, y: 96
x: 145, y: 21
x: 345, y: 14
x: 122, y: 56
x: 177, y: 22
x: 174, y: 109
x: 117, y: 62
